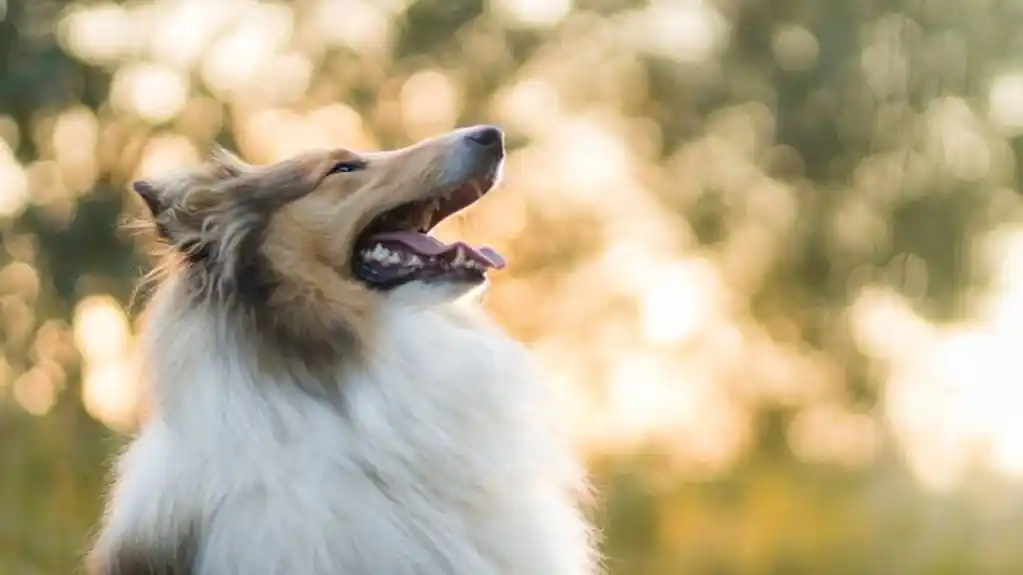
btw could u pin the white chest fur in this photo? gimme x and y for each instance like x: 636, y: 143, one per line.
x: 438, y: 461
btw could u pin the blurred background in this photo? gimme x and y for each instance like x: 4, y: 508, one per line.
x: 770, y: 251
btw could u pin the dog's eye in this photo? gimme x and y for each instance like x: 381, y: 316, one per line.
x: 346, y: 167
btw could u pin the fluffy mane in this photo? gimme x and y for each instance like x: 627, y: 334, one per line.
x: 304, y: 422
x: 212, y: 223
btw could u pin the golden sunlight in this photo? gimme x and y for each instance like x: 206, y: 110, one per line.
x: 102, y: 335
x: 185, y: 30
x: 101, y: 329
x: 531, y: 105
x: 154, y: 92
x: 364, y: 26
x: 257, y: 33
x: 35, y: 391
x: 679, y: 303
x: 532, y: 13
x: 110, y: 395
x: 75, y: 137
x: 430, y: 101
x: 101, y: 33
x: 13, y: 183
x: 272, y: 134
x: 953, y: 391
x: 687, y: 31
x: 166, y: 152
x: 1005, y: 102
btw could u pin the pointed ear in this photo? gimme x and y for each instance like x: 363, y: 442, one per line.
x: 223, y: 165
x: 149, y: 195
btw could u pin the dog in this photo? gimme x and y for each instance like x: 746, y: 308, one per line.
x: 325, y: 397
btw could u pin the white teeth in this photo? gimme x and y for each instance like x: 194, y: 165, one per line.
x: 459, y: 258
x: 381, y: 254
x: 427, y: 216
x: 462, y: 261
x: 388, y: 258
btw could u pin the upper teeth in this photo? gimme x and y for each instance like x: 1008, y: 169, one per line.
x: 459, y: 257
x: 426, y: 218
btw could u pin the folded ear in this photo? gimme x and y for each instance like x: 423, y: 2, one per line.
x: 150, y: 195
x: 223, y: 165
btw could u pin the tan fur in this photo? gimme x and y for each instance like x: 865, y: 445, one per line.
x: 304, y: 423
x: 310, y: 221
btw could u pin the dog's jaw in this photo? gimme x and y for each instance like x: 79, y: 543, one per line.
x: 426, y: 295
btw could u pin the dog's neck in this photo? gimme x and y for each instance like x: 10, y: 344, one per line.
x: 440, y: 425
x: 183, y: 337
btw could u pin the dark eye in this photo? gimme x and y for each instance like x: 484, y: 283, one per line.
x: 346, y: 167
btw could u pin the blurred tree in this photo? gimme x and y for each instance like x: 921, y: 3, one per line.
x: 805, y: 167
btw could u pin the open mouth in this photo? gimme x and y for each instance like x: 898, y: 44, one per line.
x: 397, y: 248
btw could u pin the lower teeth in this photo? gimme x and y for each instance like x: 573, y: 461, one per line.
x: 378, y: 254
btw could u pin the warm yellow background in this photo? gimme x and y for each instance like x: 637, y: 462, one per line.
x: 769, y: 250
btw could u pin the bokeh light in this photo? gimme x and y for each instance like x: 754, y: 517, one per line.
x: 770, y: 254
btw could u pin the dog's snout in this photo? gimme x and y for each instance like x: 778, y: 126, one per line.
x: 489, y: 137
x: 470, y: 152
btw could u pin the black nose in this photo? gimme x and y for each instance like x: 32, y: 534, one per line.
x: 487, y: 136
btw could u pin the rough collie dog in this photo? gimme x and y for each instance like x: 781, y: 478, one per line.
x: 324, y: 401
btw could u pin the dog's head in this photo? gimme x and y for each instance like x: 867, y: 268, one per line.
x: 321, y: 236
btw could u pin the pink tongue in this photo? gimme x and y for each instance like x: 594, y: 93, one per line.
x: 429, y: 246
